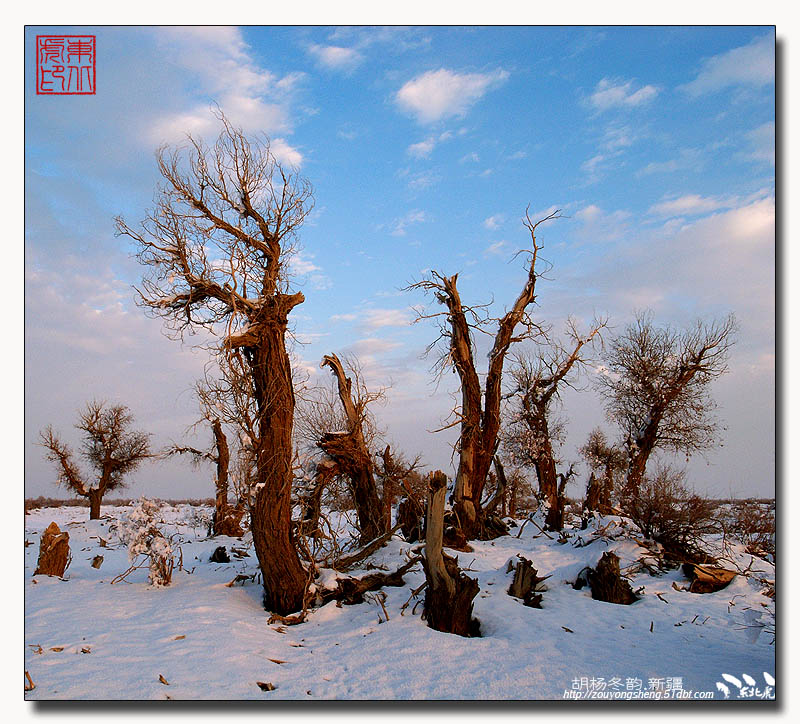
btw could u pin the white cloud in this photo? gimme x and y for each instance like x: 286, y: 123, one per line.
x: 222, y: 67
x: 336, y: 57
x: 618, y: 94
x: 750, y: 65
x: 342, y: 317
x: 494, y: 221
x: 762, y: 141
x: 687, y: 159
x: 496, y: 248
x: 416, y: 216
x: 688, y: 205
x: 443, y: 93
x: 377, y: 318
x: 422, y: 149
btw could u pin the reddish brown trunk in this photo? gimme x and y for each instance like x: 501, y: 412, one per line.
x: 221, y: 510
x: 95, y: 496
x: 352, y: 456
x: 283, y: 574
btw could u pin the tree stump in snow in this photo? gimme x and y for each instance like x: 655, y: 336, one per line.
x: 54, y: 552
x: 524, y: 585
x: 449, y: 594
x: 220, y: 555
x: 607, y: 584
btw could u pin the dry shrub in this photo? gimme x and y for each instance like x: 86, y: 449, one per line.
x: 753, y: 523
x: 666, y: 511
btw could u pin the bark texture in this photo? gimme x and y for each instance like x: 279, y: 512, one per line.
x: 54, y: 554
x: 607, y: 584
x: 450, y: 593
x: 349, y: 451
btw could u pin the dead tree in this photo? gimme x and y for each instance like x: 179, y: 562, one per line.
x: 449, y: 593
x: 658, y: 388
x: 350, y: 452
x: 609, y: 461
x: 399, y: 477
x: 109, y: 446
x: 217, y: 247
x: 537, y: 382
x: 226, y: 517
x: 479, y: 412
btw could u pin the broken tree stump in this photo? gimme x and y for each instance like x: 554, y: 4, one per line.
x: 449, y: 594
x: 54, y: 554
x: 607, y: 584
x: 527, y: 583
x: 707, y: 579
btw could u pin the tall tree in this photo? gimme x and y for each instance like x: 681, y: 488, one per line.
x: 538, y: 379
x: 479, y: 413
x: 657, y: 388
x: 109, y: 446
x: 216, y: 248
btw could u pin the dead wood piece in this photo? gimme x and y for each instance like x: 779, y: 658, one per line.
x: 342, y: 564
x: 97, y: 561
x: 707, y: 579
x: 54, y: 554
x: 266, y: 685
x: 607, y: 584
x: 220, y: 555
x: 527, y: 583
x: 351, y: 590
x: 450, y: 593
x: 29, y: 685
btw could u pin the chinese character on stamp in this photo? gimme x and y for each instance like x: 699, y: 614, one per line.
x: 65, y: 64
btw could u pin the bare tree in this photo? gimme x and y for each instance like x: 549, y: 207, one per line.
x: 479, y: 412
x: 109, y: 446
x: 607, y: 460
x: 657, y: 388
x: 537, y: 381
x: 226, y: 516
x: 216, y: 247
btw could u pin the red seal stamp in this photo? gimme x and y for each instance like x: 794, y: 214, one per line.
x: 65, y: 64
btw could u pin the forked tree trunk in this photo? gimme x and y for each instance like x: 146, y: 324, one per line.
x: 284, y: 575
x: 449, y: 595
x: 95, y: 495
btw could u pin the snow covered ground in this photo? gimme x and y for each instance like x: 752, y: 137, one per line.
x: 202, y: 639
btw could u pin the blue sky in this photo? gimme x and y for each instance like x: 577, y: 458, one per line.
x: 424, y: 146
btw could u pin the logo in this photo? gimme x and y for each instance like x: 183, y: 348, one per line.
x: 65, y: 65
x: 747, y: 687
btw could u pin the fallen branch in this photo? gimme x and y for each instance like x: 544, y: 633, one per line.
x: 346, y: 562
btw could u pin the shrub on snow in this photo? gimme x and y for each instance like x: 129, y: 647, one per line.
x: 140, y: 532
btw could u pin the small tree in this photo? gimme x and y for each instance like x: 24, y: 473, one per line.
x: 606, y: 460
x: 110, y: 447
x: 657, y: 388
x: 537, y: 382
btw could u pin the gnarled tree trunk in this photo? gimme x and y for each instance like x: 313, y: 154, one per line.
x: 271, y: 522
